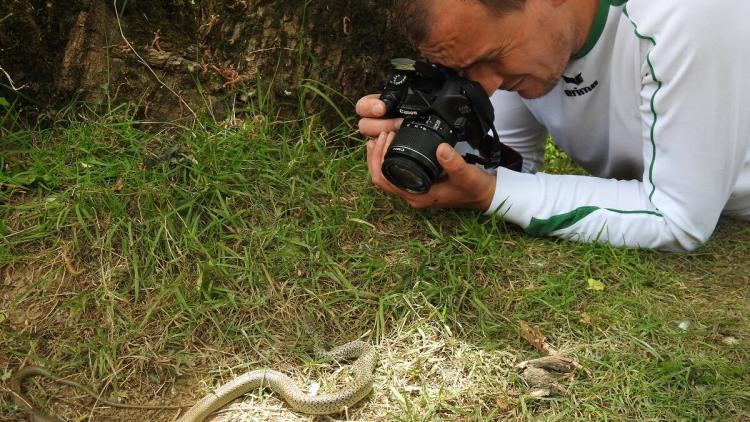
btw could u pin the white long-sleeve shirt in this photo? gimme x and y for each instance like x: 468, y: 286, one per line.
x: 656, y: 107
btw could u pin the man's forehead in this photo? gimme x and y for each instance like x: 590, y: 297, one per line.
x: 448, y: 54
x: 453, y: 32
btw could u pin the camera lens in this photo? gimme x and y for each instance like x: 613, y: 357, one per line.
x: 411, y: 161
x: 407, y: 174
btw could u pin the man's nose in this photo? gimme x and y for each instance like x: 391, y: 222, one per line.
x: 485, y: 76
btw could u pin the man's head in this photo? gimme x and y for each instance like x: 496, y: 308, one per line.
x: 516, y: 45
x: 414, y: 17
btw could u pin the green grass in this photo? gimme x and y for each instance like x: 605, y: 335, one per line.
x: 151, y: 262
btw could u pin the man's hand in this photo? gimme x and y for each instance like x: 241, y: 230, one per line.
x: 462, y: 185
x: 372, y: 124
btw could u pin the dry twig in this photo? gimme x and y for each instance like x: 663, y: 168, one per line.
x: 10, y: 80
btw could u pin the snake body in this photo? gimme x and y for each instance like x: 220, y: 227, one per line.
x: 290, y: 391
x: 38, y: 415
x: 281, y: 384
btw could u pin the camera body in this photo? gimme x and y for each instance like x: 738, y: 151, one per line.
x: 438, y: 106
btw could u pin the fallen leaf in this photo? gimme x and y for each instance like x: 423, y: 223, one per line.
x: 585, y: 319
x: 119, y: 184
x: 534, y: 336
x: 595, y: 285
x: 502, y: 405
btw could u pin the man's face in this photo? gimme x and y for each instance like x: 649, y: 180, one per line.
x: 524, y: 51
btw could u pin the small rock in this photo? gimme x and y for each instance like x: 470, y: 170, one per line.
x: 540, y: 393
x: 314, y: 388
x: 730, y: 341
x: 543, y: 374
x: 684, y: 325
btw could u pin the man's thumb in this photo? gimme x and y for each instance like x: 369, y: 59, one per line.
x: 449, y: 158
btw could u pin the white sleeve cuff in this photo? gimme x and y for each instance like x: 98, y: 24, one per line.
x: 515, y: 194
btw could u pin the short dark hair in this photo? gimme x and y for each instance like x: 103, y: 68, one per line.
x: 413, y: 16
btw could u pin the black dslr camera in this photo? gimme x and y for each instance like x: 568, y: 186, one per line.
x: 437, y: 106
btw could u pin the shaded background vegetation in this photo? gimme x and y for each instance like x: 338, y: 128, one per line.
x: 170, y: 57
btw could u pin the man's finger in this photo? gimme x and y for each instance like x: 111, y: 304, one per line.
x: 386, y: 144
x: 374, y: 127
x: 370, y: 106
x: 372, y: 153
x: 376, y: 150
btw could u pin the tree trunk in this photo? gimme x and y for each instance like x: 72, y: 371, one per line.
x: 178, y: 58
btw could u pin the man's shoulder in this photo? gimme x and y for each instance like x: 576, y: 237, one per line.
x: 693, y: 24
x: 665, y: 13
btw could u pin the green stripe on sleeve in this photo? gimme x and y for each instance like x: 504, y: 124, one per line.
x: 558, y: 222
x: 653, y: 100
x: 539, y: 227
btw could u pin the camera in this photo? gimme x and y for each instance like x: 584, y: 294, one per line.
x: 438, y: 105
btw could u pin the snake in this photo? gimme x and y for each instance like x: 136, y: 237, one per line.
x: 38, y: 415
x: 363, y: 370
x: 285, y: 387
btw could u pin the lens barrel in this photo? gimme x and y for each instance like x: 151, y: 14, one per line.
x: 411, y: 161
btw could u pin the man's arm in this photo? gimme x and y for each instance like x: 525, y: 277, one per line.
x: 519, y: 129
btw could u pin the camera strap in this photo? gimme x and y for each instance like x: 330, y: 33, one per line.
x: 494, y: 154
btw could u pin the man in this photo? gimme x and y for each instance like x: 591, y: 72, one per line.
x: 650, y: 97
